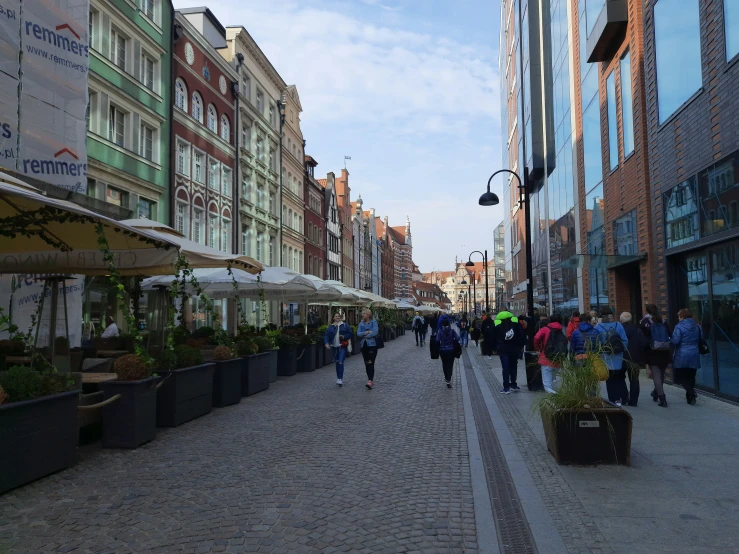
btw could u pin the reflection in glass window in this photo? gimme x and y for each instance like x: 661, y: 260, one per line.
x: 624, y: 232
x: 596, y: 247
x: 681, y: 214
x: 719, y: 193
x: 595, y: 208
x: 627, y: 104
x: 731, y: 27
x: 678, y: 53
x: 725, y: 308
x: 592, y: 11
x: 612, y: 122
x: 592, y: 145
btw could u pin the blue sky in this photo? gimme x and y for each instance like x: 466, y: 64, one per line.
x: 409, y: 90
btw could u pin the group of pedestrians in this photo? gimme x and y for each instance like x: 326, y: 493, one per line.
x: 625, y: 348
x: 338, y: 338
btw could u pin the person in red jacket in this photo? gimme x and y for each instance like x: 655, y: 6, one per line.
x: 572, y: 325
x: 543, y: 345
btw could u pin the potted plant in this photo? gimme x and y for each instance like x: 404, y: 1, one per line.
x: 306, y: 354
x: 131, y: 420
x: 321, y: 351
x: 254, y: 368
x: 287, y: 355
x: 267, y: 345
x: 38, y: 424
x: 226, y: 377
x: 186, y: 390
x: 581, y: 427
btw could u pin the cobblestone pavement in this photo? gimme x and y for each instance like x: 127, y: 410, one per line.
x: 302, y: 467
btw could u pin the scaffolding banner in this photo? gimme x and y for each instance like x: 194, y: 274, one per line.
x: 10, y: 29
x: 8, y: 121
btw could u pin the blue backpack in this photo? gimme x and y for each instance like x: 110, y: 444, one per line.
x: 659, y: 338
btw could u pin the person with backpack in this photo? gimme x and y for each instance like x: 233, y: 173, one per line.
x: 613, y: 342
x: 635, y: 355
x: 659, y: 353
x: 464, y: 330
x: 573, y: 323
x: 552, y: 345
x: 509, y: 343
x: 686, y: 340
x: 583, y: 338
x: 416, y: 326
x: 447, y: 339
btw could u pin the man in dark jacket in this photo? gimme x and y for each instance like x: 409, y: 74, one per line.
x: 635, y: 356
x: 488, y: 335
x: 464, y: 330
x: 509, y: 342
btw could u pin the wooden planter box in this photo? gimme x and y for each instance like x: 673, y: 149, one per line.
x: 589, y: 436
x: 287, y: 364
x: 132, y: 420
x: 306, y: 358
x: 227, y: 382
x: 255, y: 373
x: 37, y: 437
x: 185, y: 394
x: 273, y: 364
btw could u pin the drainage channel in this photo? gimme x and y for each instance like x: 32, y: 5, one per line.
x: 513, y: 529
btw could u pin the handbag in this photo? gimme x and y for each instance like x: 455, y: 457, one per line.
x: 379, y: 342
x: 457, y: 349
x: 434, y: 349
x: 703, y: 347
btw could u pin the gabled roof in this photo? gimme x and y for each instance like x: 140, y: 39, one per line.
x: 322, y: 182
x: 397, y: 235
x: 379, y: 227
x: 292, y: 91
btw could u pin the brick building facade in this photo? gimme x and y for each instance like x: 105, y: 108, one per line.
x: 315, y: 223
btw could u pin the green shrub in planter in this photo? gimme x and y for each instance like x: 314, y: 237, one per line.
x: 246, y: 348
x: 131, y: 368
x: 203, y: 333
x: 223, y: 353
x: 187, y: 356
x: 180, y: 335
x: 286, y: 341
x: 265, y: 344
x: 307, y: 339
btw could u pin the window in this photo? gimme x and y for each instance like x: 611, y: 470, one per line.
x: 180, y: 95
x: 115, y: 196
x: 92, y: 27
x: 260, y: 196
x: 197, y: 107
x: 146, y: 209
x: 92, y: 110
x: 592, y: 145
x: 214, y: 175
x: 731, y: 28
x: 272, y: 115
x: 197, y: 222
x: 678, y: 53
x: 212, y: 118
x: 300, y: 263
x: 225, y: 235
x: 116, y: 126
x: 284, y: 255
x: 260, y: 240
x: 246, y: 86
x: 212, y: 231
x: 627, y: 104
x: 612, y: 121
x: 272, y: 162
x: 260, y: 102
x: 271, y: 260
x: 225, y: 129
x: 183, y: 158
x: 146, y: 142
x: 147, y: 6
x: 260, y: 149
x: 592, y: 11
x: 180, y: 223
x: 300, y: 224
x: 147, y: 71
x: 246, y: 137
x: 198, y: 170
x: 272, y: 204
x: 681, y: 214
x: 245, y: 242
x: 117, y: 48
x: 227, y: 181
x: 625, y: 237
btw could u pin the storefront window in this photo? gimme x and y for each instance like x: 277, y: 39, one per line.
x: 719, y: 194
x: 624, y: 232
x: 681, y: 214
x: 725, y: 335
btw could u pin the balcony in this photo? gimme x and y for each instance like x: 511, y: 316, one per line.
x: 608, y: 32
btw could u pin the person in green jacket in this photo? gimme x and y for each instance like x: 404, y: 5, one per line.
x: 509, y: 342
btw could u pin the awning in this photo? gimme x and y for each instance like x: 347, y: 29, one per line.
x: 598, y: 261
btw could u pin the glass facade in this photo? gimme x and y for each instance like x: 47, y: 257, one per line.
x: 678, y: 53
x: 592, y: 10
x: 627, y: 104
x: 612, y: 121
x: 731, y: 27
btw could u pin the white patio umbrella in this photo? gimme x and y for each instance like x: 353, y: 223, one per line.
x: 403, y: 305
x: 427, y: 309
x: 198, y: 255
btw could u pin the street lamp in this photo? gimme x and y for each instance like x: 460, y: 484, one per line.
x: 474, y: 296
x: 523, y: 201
x: 470, y: 263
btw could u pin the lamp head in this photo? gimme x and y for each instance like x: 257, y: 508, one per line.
x: 470, y: 263
x: 463, y: 282
x: 489, y: 199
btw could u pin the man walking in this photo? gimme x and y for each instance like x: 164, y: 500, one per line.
x: 417, y: 328
x: 509, y: 343
x: 464, y: 330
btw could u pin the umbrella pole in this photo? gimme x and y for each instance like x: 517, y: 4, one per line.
x: 52, y: 320
x: 66, y: 325
x: 305, y: 316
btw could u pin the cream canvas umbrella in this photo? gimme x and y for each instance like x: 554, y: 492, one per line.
x: 198, y: 255
x: 43, y: 235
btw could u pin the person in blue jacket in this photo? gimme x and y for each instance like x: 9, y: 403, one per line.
x: 441, y: 320
x: 446, y: 338
x: 366, y: 333
x: 613, y: 342
x: 686, y: 359
x: 337, y: 337
x: 584, y: 335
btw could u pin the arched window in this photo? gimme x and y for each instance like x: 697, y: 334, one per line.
x: 300, y: 224
x: 290, y: 219
x: 197, y: 107
x: 310, y: 264
x: 284, y: 256
x: 225, y: 129
x: 212, y: 118
x: 180, y: 95
x: 295, y: 260
x: 300, y: 262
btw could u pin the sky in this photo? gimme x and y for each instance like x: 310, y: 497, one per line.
x: 409, y: 90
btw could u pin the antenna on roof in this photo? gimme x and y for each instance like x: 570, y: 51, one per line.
x: 346, y: 158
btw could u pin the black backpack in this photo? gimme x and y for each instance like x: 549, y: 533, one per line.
x: 612, y: 344
x: 557, y: 345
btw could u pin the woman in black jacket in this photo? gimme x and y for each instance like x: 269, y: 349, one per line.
x: 657, y: 358
x: 635, y: 356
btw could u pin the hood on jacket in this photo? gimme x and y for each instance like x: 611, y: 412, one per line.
x: 555, y: 326
x: 687, y: 323
x: 505, y: 315
x: 585, y: 326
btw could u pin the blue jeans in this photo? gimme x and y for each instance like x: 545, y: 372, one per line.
x: 464, y: 337
x: 510, y: 370
x: 339, y: 357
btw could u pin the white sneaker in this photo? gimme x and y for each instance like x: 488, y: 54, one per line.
x: 618, y: 403
x: 490, y: 357
x: 339, y: 382
x: 550, y: 391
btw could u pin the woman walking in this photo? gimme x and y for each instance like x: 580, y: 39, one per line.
x: 686, y: 360
x: 366, y: 333
x: 635, y: 356
x: 337, y: 337
x: 447, y: 338
x: 658, y: 354
x: 613, y: 342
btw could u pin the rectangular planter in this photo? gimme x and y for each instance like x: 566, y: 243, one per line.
x: 533, y: 371
x: 227, y: 382
x: 255, y: 374
x: 319, y: 355
x: 132, y: 420
x: 185, y: 394
x: 273, y: 363
x: 37, y: 437
x: 328, y: 355
x: 287, y: 365
x: 589, y: 436
x: 306, y: 358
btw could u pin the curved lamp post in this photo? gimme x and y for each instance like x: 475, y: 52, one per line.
x: 470, y: 263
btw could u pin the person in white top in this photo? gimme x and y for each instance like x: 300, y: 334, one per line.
x: 111, y: 330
